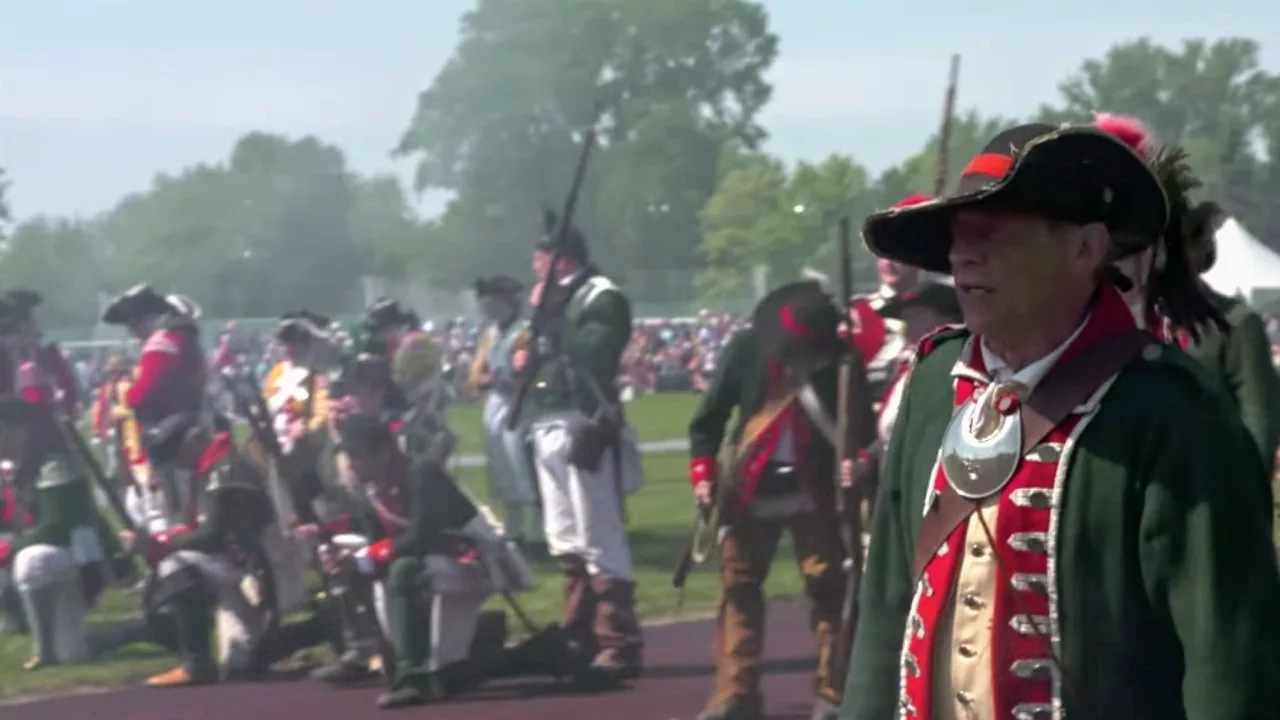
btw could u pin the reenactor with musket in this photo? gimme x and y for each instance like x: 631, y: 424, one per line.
x: 778, y: 473
x: 213, y: 571
x: 585, y: 456
x: 55, y: 560
x: 510, y: 473
x: 171, y: 376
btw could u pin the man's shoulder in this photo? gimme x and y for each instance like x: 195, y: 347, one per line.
x: 599, y: 291
x: 1166, y: 383
x: 164, y: 340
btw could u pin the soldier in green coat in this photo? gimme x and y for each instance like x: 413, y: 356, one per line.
x: 1237, y: 355
x: 46, y: 558
x: 780, y: 375
x: 1054, y: 538
x: 584, y: 456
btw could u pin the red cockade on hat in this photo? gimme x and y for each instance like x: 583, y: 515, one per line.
x: 792, y: 324
x: 1129, y: 130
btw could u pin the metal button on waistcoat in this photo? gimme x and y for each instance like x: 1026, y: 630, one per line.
x: 973, y: 602
x: 966, y: 650
x: 978, y: 550
x: 965, y: 697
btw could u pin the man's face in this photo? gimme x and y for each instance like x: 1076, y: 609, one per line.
x: 1013, y: 270
x: 542, y: 261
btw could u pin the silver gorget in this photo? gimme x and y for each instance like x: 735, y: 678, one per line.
x: 983, y: 443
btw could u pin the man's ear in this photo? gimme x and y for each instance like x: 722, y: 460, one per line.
x: 1095, y: 244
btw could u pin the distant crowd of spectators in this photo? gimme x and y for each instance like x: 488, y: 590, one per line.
x: 664, y: 355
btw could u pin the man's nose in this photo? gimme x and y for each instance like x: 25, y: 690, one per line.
x: 964, y: 251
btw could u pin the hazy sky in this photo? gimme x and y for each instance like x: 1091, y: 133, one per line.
x: 97, y: 96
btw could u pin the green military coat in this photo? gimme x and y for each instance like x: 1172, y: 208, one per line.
x: 1166, y: 576
x: 740, y: 384
x: 1240, y: 359
x: 62, y: 502
x: 592, y: 336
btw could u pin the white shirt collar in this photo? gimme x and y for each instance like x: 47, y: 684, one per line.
x: 1031, y: 375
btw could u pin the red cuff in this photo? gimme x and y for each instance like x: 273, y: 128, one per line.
x: 339, y: 525
x: 701, y: 469
x: 159, y: 547
x: 380, y: 552
x: 5, y: 548
x: 865, y: 455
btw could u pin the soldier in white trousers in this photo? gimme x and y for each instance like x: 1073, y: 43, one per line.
x: 584, y: 454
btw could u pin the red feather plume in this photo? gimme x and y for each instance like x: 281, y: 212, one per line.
x: 1129, y: 130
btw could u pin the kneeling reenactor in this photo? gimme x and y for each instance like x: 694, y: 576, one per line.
x: 215, y: 568
x: 438, y: 564
x: 47, y: 559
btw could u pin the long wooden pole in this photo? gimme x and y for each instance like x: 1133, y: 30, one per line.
x: 944, y: 134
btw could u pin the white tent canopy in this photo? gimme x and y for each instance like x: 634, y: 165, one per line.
x: 1244, y: 264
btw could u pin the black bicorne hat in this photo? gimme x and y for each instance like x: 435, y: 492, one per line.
x: 302, y: 326
x: 500, y: 285
x: 938, y: 297
x: 796, y: 325
x: 137, y: 302
x: 1077, y: 174
x: 15, y: 309
x: 575, y: 243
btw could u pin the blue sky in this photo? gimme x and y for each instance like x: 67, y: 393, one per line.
x: 97, y: 96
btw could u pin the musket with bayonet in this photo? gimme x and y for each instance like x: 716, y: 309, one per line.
x: 944, y: 132
x: 544, y: 313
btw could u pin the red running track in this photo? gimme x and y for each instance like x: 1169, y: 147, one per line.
x: 677, y: 678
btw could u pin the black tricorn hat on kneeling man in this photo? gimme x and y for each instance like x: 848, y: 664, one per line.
x: 796, y: 325
x: 388, y: 313
x: 1076, y: 173
x: 136, y: 302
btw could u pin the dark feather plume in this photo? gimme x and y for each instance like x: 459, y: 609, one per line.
x: 1175, y: 286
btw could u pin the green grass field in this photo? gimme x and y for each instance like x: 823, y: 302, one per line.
x: 663, y: 416
x: 661, y: 517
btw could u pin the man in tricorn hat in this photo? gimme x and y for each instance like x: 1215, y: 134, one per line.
x: 419, y: 390
x: 1054, y: 536
x: 1237, y: 355
x: 38, y: 370
x: 580, y: 445
x: 171, y: 377
x: 511, y: 483
x: 780, y: 376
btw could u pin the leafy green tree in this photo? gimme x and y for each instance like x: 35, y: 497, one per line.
x: 671, y: 82
x: 60, y: 259
x: 4, y: 205
x: 1213, y: 98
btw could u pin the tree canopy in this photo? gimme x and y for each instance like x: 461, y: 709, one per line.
x: 681, y: 204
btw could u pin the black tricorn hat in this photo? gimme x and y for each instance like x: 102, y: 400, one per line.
x: 938, y: 297
x: 502, y: 285
x: 387, y: 313
x: 136, y: 302
x: 15, y: 309
x: 302, y: 326
x: 796, y: 325
x: 1075, y: 173
x: 575, y: 244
